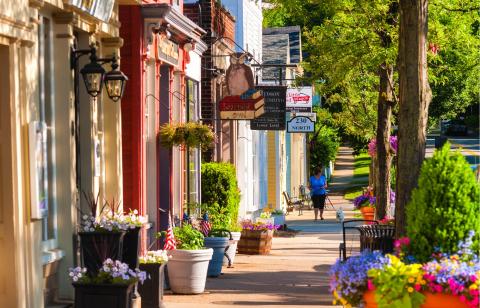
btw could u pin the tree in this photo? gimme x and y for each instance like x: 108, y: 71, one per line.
x: 414, y: 98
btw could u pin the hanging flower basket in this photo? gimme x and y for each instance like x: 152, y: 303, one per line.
x: 190, y: 134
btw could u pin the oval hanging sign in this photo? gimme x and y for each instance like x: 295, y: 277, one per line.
x: 300, y: 124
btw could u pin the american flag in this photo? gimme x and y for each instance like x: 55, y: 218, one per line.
x: 205, y: 225
x: 170, y: 238
x: 186, y: 219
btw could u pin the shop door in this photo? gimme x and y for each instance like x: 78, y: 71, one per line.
x: 7, y: 255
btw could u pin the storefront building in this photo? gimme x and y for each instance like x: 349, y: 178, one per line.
x: 220, y: 40
x: 161, y: 57
x: 55, y: 143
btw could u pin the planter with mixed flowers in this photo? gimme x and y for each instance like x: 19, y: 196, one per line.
x: 151, y: 291
x: 398, y: 281
x: 365, y: 203
x: 256, y: 237
x: 111, y: 286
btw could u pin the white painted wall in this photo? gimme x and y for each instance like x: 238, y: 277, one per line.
x: 248, y: 34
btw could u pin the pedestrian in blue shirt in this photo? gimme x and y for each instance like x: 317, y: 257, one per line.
x: 317, y: 186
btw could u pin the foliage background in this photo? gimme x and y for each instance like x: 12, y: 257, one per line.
x: 444, y: 207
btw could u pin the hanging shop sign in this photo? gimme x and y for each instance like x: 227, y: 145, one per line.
x: 247, y: 106
x: 101, y: 9
x: 239, y: 76
x: 299, y: 99
x: 311, y: 115
x: 274, y: 116
x: 243, y: 102
x: 167, y: 51
x: 300, y: 124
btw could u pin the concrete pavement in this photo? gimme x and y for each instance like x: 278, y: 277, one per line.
x: 295, y: 274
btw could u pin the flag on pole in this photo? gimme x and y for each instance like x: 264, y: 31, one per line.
x: 205, y: 225
x: 170, y: 238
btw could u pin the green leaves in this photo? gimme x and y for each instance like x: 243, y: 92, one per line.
x: 444, y: 207
x: 188, y: 238
x: 220, y: 194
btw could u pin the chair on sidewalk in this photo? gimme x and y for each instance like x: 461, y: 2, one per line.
x: 350, y: 228
x: 293, y: 203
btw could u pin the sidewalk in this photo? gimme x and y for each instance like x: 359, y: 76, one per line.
x: 295, y: 274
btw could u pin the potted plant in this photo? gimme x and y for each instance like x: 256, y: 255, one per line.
x: 189, y: 134
x: 231, y: 250
x: 111, y: 286
x: 101, y: 237
x: 187, y: 268
x: 256, y: 237
x: 218, y: 240
x: 365, y: 203
x: 131, y: 240
x: 278, y: 217
x: 265, y: 218
x: 151, y: 291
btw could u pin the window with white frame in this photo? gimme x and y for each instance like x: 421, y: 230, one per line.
x: 193, y: 156
x: 46, y: 115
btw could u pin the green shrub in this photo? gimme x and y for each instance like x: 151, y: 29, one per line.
x: 324, y: 147
x: 220, y: 194
x: 188, y: 238
x: 445, y: 206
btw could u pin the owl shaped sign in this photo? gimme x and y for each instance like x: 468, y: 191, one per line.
x: 239, y: 76
x: 243, y: 101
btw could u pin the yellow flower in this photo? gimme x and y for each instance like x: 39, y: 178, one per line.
x: 410, y: 289
x: 334, y: 302
x: 411, y: 280
x: 473, y: 286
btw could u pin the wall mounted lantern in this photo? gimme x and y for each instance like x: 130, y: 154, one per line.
x: 94, y: 74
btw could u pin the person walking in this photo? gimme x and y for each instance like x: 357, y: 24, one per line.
x: 317, y: 186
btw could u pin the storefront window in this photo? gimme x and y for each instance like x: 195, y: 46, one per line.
x: 193, y: 157
x: 46, y: 115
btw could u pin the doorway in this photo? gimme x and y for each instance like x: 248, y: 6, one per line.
x: 8, y: 279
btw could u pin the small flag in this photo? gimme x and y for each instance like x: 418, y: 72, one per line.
x: 170, y: 238
x: 205, y: 225
x: 186, y: 219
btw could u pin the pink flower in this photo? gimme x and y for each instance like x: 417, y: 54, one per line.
x: 417, y: 287
x: 473, y: 278
x: 370, y: 285
x: 463, y: 298
x: 438, y: 289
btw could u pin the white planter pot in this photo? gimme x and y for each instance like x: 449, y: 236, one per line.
x: 187, y: 270
x: 279, y: 219
x: 232, y: 248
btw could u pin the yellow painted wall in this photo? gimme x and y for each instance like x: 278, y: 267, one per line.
x: 271, y: 170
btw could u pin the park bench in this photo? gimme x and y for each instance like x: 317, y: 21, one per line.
x: 352, y: 235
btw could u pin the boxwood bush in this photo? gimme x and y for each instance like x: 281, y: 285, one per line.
x: 444, y: 207
x: 220, y: 194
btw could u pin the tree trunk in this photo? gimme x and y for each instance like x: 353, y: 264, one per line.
x: 384, y: 153
x: 415, y: 96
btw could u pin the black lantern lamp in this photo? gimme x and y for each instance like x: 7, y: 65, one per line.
x: 93, y: 74
x: 115, y: 82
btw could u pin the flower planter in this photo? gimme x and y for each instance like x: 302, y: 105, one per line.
x: 151, y: 290
x: 218, y: 244
x: 368, y: 212
x: 255, y: 242
x: 96, y: 247
x: 131, y: 247
x: 103, y: 295
x: 187, y: 270
x: 437, y: 300
x: 279, y: 219
x: 231, y: 249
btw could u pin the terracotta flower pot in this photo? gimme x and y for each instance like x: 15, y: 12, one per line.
x: 440, y: 300
x: 432, y: 300
x: 368, y: 212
